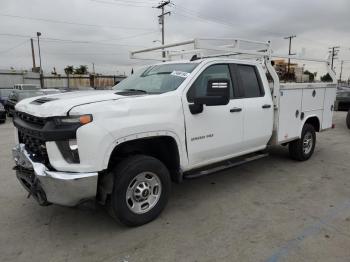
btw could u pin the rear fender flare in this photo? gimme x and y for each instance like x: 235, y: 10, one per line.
x: 305, y: 120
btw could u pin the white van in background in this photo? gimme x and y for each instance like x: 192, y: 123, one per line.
x: 26, y: 87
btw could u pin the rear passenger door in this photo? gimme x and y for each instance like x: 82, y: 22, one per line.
x: 258, y: 107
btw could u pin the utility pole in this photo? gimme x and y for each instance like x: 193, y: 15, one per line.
x: 93, y: 75
x: 162, y: 6
x: 341, y: 70
x: 33, y: 54
x: 334, y: 50
x: 290, y: 51
x: 38, y: 34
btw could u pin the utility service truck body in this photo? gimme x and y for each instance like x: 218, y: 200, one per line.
x: 169, y: 121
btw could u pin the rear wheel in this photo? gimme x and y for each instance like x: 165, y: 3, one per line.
x: 303, y: 148
x: 348, y: 120
x: 141, y: 189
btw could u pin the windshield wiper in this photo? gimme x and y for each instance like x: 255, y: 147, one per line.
x: 133, y: 90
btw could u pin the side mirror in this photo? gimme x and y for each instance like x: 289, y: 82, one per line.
x: 218, y: 93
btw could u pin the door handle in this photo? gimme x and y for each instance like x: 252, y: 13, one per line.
x: 266, y: 106
x: 235, y: 110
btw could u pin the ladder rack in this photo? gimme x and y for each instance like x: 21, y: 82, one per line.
x: 226, y: 47
x: 203, y: 48
x: 214, y: 47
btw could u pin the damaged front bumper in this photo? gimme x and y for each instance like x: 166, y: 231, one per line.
x: 62, y: 188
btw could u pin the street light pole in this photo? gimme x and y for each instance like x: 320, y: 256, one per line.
x: 38, y: 34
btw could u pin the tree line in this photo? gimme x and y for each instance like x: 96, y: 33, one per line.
x: 80, y: 70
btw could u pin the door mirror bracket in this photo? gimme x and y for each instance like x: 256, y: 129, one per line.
x: 196, y: 108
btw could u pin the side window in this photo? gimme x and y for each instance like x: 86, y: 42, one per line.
x: 250, y: 81
x: 199, y: 87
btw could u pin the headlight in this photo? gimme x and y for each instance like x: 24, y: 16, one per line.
x: 68, y: 145
x: 82, y: 120
x: 1, y: 107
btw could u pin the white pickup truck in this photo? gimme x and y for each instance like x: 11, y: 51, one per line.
x: 167, y: 122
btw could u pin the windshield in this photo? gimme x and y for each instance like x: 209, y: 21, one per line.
x: 5, y: 92
x: 157, y: 79
x: 24, y: 95
x: 30, y: 87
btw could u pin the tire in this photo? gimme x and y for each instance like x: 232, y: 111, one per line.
x: 138, y: 178
x: 297, y: 150
x: 348, y: 120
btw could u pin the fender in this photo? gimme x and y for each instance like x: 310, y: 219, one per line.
x: 119, y: 141
x: 306, y: 119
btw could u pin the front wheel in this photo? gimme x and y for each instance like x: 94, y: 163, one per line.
x: 303, y: 148
x: 348, y: 120
x: 141, y: 190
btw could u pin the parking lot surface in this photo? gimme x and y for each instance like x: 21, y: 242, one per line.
x: 273, y: 209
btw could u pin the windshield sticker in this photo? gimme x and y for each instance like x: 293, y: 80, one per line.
x: 180, y: 74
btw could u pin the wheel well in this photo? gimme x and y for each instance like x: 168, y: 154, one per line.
x: 314, y: 122
x: 163, y: 148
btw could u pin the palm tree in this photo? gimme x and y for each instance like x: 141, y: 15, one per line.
x: 81, y: 70
x: 69, y: 70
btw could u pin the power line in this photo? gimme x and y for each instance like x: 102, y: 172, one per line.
x: 195, y: 15
x: 123, y: 4
x: 183, y: 11
x: 15, y: 35
x: 87, y: 53
x: 58, y: 40
x: 135, y: 2
x: 131, y: 36
x: 69, y: 22
x: 14, y: 47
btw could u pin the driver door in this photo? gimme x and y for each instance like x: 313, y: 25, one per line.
x: 217, y: 132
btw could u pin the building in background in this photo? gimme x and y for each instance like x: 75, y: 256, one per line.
x: 9, y: 78
x: 296, y: 73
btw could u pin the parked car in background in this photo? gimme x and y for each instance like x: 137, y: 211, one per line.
x: 4, y: 93
x: 342, y: 102
x: 18, y: 95
x: 2, y: 114
x: 77, y: 89
x: 26, y: 87
x: 51, y: 91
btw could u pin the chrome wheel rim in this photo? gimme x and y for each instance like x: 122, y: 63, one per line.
x: 307, y: 143
x: 143, y: 192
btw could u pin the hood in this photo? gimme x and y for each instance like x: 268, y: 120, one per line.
x: 61, y: 104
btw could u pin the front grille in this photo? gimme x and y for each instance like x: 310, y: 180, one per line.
x: 39, y: 121
x: 32, y: 138
x: 35, y: 146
